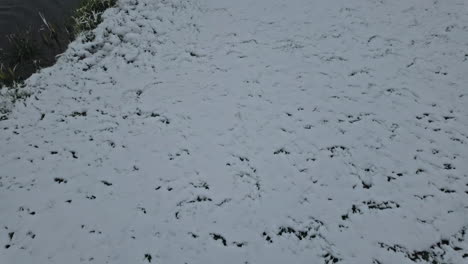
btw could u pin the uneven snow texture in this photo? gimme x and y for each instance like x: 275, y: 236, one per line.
x: 246, y: 131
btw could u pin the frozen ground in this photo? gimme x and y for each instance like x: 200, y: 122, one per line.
x: 247, y: 131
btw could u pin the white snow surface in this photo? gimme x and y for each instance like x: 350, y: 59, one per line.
x: 246, y: 131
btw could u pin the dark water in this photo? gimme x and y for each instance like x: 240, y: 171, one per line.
x: 22, y: 18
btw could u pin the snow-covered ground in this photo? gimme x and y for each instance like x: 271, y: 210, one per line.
x: 246, y: 131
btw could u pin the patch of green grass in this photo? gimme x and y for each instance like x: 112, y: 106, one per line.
x: 89, y: 15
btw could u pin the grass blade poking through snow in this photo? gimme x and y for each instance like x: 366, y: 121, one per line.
x: 89, y: 14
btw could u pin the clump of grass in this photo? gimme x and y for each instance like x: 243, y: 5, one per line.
x: 23, y: 47
x: 49, y: 33
x: 7, y: 75
x: 21, y: 50
x: 89, y: 14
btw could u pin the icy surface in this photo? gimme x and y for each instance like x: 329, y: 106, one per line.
x: 222, y: 131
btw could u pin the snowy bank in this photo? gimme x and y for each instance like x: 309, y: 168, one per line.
x: 281, y: 131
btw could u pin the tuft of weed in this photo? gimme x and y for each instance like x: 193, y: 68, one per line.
x: 49, y: 33
x: 8, y: 75
x: 23, y: 47
x: 89, y: 15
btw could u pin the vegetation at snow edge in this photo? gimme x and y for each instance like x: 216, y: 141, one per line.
x: 89, y: 14
x: 23, y: 57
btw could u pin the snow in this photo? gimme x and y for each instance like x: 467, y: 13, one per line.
x: 279, y: 131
